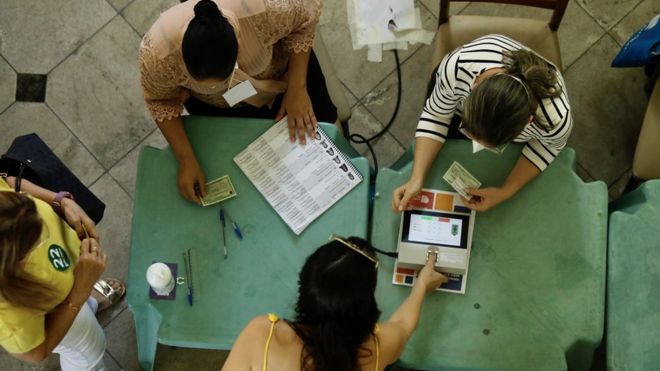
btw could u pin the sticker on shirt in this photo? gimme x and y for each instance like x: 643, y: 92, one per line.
x: 239, y: 93
x: 58, y: 258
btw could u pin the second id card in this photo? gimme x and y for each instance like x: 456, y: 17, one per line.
x: 218, y: 190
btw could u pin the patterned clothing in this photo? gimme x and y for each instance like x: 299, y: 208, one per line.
x: 552, y: 124
x: 266, y: 31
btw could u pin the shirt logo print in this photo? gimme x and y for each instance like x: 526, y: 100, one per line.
x: 58, y: 258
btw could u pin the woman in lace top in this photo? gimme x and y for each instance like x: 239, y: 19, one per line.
x: 198, y: 50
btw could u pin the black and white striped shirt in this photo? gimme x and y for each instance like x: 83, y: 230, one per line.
x: 552, y: 122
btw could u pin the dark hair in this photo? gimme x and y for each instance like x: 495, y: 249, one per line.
x: 336, y: 309
x: 20, y: 228
x: 498, y: 109
x: 209, y: 44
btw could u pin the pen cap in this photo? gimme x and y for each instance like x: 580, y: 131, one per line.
x: 159, y: 277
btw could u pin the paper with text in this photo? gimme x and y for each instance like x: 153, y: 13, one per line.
x: 299, y: 181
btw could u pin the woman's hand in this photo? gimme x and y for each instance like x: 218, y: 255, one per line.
x: 402, y: 195
x: 190, y: 181
x: 485, y: 198
x: 78, y: 219
x: 297, y: 105
x: 428, y: 277
x: 90, y: 266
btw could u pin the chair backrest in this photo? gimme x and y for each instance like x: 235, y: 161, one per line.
x: 558, y: 7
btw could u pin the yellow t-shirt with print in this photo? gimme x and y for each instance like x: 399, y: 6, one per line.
x: 52, y: 262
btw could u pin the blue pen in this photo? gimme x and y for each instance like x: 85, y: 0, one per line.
x: 237, y: 231
x: 224, y: 239
x: 190, y: 296
x: 235, y: 226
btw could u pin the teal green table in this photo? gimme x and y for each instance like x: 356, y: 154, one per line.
x: 536, y: 285
x: 633, y: 278
x: 260, y: 275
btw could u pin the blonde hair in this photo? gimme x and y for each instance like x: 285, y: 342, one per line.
x: 497, y: 110
x: 536, y: 73
x: 20, y: 229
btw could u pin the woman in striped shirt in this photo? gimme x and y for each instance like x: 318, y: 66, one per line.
x: 493, y: 91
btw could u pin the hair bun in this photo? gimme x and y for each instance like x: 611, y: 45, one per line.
x: 207, y: 10
x: 537, y: 73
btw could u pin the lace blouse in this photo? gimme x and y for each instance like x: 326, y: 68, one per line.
x: 265, y: 38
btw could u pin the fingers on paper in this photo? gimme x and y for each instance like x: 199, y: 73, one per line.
x: 300, y: 126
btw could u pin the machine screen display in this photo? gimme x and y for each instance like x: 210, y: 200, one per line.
x: 435, y: 228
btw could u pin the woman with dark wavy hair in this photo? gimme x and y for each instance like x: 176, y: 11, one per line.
x: 336, y: 325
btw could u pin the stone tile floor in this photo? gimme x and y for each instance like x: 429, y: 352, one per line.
x: 93, y: 116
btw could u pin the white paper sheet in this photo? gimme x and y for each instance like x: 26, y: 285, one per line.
x: 392, y: 24
x: 299, y: 182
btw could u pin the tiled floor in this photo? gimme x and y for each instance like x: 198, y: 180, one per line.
x: 94, y: 118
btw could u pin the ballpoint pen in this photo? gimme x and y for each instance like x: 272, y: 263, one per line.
x: 188, y: 266
x: 224, y: 238
x: 237, y: 231
x: 235, y: 227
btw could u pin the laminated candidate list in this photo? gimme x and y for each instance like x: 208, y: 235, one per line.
x: 299, y: 181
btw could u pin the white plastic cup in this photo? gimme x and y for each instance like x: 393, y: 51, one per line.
x: 159, y: 277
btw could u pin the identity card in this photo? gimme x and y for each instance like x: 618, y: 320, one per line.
x: 218, y: 190
x: 460, y: 179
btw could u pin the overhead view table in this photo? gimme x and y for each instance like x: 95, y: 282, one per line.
x: 261, y: 272
x: 633, y: 264
x: 536, y: 283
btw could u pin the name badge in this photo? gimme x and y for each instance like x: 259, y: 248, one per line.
x: 239, y: 93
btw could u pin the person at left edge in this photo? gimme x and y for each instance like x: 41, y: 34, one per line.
x: 49, y: 278
x: 198, y: 50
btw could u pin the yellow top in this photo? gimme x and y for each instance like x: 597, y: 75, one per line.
x: 273, y: 318
x: 52, y: 262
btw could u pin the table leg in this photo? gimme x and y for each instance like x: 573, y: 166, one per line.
x: 147, y: 322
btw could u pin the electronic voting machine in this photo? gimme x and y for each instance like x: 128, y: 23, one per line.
x: 446, y: 233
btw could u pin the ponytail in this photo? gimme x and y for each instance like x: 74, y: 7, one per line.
x: 206, y: 12
x: 539, y: 75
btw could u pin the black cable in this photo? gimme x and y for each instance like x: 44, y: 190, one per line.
x: 359, y: 139
x: 387, y: 253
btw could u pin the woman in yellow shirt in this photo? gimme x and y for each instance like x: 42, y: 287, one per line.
x: 336, y: 326
x: 46, y: 277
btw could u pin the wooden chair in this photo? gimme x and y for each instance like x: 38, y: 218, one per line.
x: 539, y: 35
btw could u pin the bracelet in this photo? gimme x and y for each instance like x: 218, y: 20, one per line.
x: 57, y: 201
